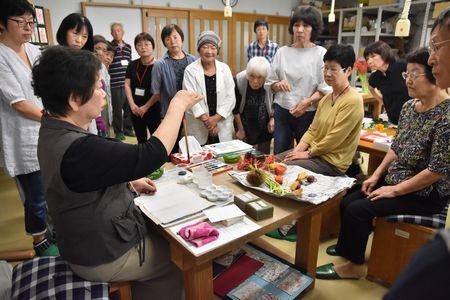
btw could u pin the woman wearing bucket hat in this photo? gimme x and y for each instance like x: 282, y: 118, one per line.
x: 211, y: 120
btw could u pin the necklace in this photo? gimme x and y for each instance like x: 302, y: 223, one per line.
x: 333, y: 100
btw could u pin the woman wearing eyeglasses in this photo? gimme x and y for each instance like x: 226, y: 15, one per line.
x: 386, y: 83
x: 330, y: 142
x: 413, y: 178
x: 20, y: 116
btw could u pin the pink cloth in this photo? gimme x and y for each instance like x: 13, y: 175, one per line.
x: 199, y: 234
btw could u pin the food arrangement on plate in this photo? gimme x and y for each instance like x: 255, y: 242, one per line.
x: 264, y: 170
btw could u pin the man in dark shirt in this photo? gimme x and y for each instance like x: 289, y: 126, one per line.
x: 122, y: 56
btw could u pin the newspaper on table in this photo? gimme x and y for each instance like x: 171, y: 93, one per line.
x: 324, y: 188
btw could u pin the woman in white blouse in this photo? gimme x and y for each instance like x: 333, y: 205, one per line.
x: 296, y: 78
x: 211, y: 120
x: 20, y: 116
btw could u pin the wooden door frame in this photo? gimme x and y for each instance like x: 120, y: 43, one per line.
x: 191, y: 14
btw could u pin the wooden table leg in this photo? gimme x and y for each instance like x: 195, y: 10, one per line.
x: 308, y: 239
x: 374, y: 162
x: 198, y: 282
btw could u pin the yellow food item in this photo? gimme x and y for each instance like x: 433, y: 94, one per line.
x: 294, y: 185
x: 298, y: 193
x: 301, y: 176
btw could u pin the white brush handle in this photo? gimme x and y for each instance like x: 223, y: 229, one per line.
x: 406, y: 9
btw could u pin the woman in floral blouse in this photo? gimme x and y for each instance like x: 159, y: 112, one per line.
x: 413, y: 177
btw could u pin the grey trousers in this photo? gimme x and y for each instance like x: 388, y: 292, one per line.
x: 315, y: 164
x: 121, y: 120
x: 157, y: 278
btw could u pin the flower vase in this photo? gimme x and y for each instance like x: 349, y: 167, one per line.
x: 364, y: 83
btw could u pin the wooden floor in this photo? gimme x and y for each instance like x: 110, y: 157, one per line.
x: 13, y: 237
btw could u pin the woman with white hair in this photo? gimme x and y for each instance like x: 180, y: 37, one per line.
x: 210, y: 121
x: 253, y: 112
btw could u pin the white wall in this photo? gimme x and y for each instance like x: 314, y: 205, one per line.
x: 61, y: 8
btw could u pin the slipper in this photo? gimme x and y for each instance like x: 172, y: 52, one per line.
x: 276, y: 235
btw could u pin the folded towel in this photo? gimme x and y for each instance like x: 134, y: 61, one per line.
x: 199, y: 234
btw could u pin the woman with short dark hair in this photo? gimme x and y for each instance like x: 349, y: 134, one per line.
x: 413, y: 178
x: 386, y: 83
x: 263, y: 46
x: 146, y: 110
x: 76, y: 32
x: 88, y: 179
x: 20, y: 116
x: 296, y: 78
x: 168, y: 72
x: 330, y: 143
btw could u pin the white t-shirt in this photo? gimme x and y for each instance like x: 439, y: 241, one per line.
x: 303, y: 69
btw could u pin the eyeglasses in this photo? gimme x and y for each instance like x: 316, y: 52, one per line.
x: 412, y: 75
x: 333, y: 71
x: 434, y: 47
x: 23, y: 24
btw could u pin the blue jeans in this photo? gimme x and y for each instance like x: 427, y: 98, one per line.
x: 288, y: 127
x: 30, y: 189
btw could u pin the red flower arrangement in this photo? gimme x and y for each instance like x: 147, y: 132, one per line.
x: 361, y: 68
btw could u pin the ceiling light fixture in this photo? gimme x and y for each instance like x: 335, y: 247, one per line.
x: 331, y: 16
x: 228, y: 11
x: 403, y: 24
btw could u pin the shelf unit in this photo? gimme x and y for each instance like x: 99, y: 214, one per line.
x: 379, y: 29
x: 420, y: 10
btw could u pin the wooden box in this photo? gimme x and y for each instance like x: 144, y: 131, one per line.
x: 393, y: 246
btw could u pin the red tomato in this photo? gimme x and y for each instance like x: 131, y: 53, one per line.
x: 279, y: 179
x: 270, y: 159
x: 280, y: 169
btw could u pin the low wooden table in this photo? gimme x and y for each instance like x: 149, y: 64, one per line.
x: 375, y: 155
x: 374, y: 105
x: 198, y: 275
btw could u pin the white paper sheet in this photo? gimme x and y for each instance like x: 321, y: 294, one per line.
x: 172, y: 201
x: 218, y: 214
x: 229, y: 147
x: 226, y: 234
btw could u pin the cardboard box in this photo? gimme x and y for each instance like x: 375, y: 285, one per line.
x: 259, y: 210
x: 242, y: 200
x: 439, y: 7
